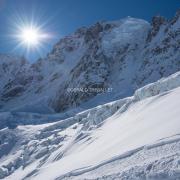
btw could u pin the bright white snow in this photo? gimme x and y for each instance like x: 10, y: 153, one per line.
x: 133, y: 138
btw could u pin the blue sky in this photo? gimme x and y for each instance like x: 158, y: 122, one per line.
x: 61, y: 17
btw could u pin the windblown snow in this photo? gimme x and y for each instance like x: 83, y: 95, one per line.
x: 133, y: 138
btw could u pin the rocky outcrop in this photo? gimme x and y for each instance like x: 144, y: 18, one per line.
x: 157, y: 22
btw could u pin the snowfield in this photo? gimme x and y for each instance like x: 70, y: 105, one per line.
x: 130, y: 139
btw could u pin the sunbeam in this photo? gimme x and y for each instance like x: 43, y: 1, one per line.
x: 29, y: 34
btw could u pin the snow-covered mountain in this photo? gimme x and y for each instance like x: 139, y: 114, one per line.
x: 132, y: 138
x: 103, y: 104
x: 117, y: 57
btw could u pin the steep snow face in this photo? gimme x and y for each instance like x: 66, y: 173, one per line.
x: 121, y: 55
x: 136, y: 138
x: 127, y: 32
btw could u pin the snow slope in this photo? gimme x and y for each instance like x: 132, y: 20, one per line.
x: 132, y: 138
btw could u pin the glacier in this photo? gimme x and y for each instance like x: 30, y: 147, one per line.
x: 132, y: 138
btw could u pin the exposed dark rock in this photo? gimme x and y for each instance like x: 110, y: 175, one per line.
x: 157, y: 22
x: 15, y: 91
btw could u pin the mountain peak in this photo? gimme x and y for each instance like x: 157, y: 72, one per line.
x: 108, y: 54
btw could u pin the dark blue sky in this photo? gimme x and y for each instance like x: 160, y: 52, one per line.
x: 62, y: 17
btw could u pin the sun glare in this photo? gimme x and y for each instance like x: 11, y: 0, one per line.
x: 30, y: 36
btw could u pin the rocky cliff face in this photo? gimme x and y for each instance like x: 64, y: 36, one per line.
x: 121, y: 55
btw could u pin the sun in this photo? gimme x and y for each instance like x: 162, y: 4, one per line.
x: 30, y: 36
